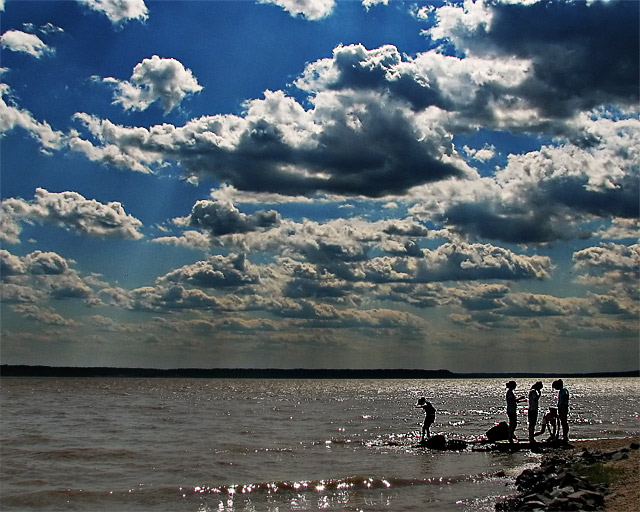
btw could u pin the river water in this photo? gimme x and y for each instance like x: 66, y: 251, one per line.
x: 271, y: 445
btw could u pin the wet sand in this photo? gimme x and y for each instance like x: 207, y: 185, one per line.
x: 625, y: 489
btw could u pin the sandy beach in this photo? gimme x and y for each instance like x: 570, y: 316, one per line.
x: 625, y: 488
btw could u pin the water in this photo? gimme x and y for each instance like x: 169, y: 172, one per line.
x: 276, y: 445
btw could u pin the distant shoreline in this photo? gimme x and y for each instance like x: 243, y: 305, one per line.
x: 279, y: 373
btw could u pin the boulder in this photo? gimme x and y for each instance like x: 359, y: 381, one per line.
x: 456, y: 444
x: 499, y: 432
x: 437, y: 442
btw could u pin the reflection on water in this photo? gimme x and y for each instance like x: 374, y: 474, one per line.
x: 239, y: 445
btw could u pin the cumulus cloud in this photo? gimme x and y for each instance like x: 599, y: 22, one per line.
x: 42, y: 275
x: 18, y: 41
x: 155, y: 79
x: 45, y: 263
x: 216, y: 272
x: 456, y: 262
x: 309, y: 9
x: 172, y: 297
x: 13, y: 117
x: 607, y: 257
x: 10, y: 265
x: 483, y: 154
x: 72, y: 211
x: 222, y: 218
x: 43, y: 315
x: 548, y: 194
x: 354, y: 142
x: 569, y: 44
x: 119, y: 11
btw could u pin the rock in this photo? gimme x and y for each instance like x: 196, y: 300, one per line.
x: 634, y: 446
x: 620, y: 455
x: 588, y: 499
x: 563, y: 504
x: 499, y: 432
x: 437, y: 442
x: 562, y: 492
x: 456, y: 444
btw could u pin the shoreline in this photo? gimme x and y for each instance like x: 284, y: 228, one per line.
x: 611, y: 465
x: 625, y: 489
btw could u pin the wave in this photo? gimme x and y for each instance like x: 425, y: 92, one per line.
x: 340, y: 484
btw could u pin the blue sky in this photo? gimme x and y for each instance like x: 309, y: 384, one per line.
x: 320, y: 183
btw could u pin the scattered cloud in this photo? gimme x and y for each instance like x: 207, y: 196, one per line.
x: 70, y: 210
x: 18, y: 41
x: 13, y: 117
x: 156, y: 79
x: 119, y: 11
x: 309, y: 9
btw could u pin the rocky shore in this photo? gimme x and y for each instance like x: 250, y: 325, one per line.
x: 588, y: 475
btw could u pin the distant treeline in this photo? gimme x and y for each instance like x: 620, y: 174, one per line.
x: 275, y: 373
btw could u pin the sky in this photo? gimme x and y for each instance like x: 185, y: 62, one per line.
x: 320, y: 184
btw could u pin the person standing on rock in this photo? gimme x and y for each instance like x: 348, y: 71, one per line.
x: 532, y: 414
x: 512, y: 408
x: 563, y: 407
x: 429, y: 416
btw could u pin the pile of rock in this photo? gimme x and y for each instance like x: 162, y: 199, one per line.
x: 555, y: 486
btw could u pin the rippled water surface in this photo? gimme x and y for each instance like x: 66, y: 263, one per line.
x: 241, y: 445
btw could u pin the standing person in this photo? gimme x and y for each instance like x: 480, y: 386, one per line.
x: 512, y: 408
x: 563, y: 407
x: 429, y: 416
x: 532, y: 414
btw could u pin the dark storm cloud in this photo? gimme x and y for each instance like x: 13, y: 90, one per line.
x: 584, y: 54
x: 223, y: 218
x: 495, y: 222
x: 351, y: 143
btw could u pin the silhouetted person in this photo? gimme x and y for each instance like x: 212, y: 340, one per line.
x: 532, y: 415
x: 512, y: 408
x: 429, y: 416
x: 550, y: 422
x: 563, y: 407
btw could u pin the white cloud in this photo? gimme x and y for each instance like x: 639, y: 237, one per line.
x: 119, y: 11
x: 18, y: 41
x: 155, y: 79
x: 367, y: 4
x: 72, y: 211
x: 12, y: 117
x: 487, y: 152
x: 309, y: 9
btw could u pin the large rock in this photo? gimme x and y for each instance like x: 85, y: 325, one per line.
x: 499, y: 432
x: 437, y: 442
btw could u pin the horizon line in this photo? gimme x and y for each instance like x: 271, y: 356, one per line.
x: 9, y: 370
